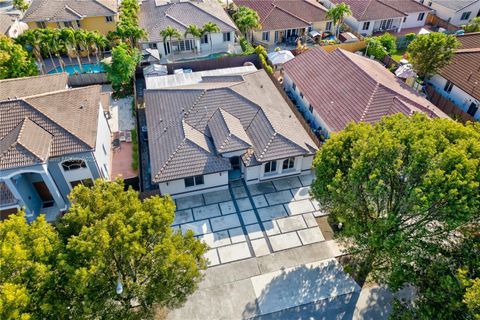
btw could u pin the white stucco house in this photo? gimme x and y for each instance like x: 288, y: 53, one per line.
x: 371, y: 16
x: 459, y: 81
x: 52, y: 138
x: 156, y: 15
x: 456, y: 12
x: 334, y: 89
x: 219, y: 128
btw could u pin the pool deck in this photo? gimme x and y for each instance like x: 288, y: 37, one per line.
x: 49, y: 64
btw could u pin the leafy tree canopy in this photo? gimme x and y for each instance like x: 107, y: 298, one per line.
x: 430, y: 52
x: 108, y: 237
x: 15, y: 61
x: 473, y: 26
x: 246, y: 19
x: 401, y: 188
x: 122, y: 68
x: 375, y: 48
x: 21, y: 5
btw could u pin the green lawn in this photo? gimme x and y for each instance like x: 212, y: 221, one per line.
x: 398, y: 55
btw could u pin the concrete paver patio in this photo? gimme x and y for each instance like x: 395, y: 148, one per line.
x: 252, y: 221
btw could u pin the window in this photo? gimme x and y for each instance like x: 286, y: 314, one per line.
x: 422, y: 1
x: 109, y: 18
x: 78, y: 23
x: 366, y: 25
x: 193, y: 181
x: 226, y: 36
x: 328, y: 26
x: 294, y: 86
x: 270, y: 167
x: 86, y: 182
x: 472, y: 109
x: 430, y: 3
x: 41, y: 24
x: 386, y: 24
x: 421, y: 15
x: 204, y: 39
x: 448, y: 87
x: 104, y: 150
x: 152, y: 45
x: 301, y: 95
x: 288, y: 163
x: 106, y: 170
x: 70, y: 165
x: 266, y: 36
x: 68, y: 24
x: 404, y: 19
x: 310, y: 108
x: 466, y: 15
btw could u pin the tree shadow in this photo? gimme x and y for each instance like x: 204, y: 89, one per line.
x: 313, y: 291
x: 374, y: 303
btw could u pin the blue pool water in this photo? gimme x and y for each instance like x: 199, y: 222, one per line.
x: 87, y: 68
x: 210, y: 56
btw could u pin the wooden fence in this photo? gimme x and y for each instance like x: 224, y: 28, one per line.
x: 435, y: 21
x: 86, y: 79
x: 389, y: 62
x: 447, y: 106
x: 219, y: 63
x: 295, y: 111
x: 352, y: 47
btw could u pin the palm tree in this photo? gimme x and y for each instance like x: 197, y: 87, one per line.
x: 79, y: 40
x: 31, y: 39
x: 247, y: 20
x: 196, y: 33
x: 170, y: 32
x: 67, y: 37
x: 337, y: 13
x: 58, y: 46
x: 90, y: 42
x: 210, y: 28
x: 101, y: 43
x: 46, y: 37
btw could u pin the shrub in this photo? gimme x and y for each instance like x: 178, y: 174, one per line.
x: 134, y: 149
x: 389, y: 42
x: 260, y: 50
x: 246, y: 46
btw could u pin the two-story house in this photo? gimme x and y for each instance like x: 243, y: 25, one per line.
x: 157, y: 15
x: 52, y: 138
x: 370, y: 16
x: 456, y: 12
x: 282, y: 22
x: 99, y: 15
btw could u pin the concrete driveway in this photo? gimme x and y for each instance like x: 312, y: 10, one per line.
x: 252, y: 221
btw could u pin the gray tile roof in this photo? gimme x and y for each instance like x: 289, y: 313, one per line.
x: 156, y: 17
x: 250, y: 115
x: 29, y: 86
x: 35, y: 128
x: 343, y: 87
x: 456, y: 5
x: 68, y: 10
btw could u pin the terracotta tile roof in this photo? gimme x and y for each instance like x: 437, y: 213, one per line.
x: 68, y: 10
x: 35, y: 128
x: 367, y: 10
x: 469, y: 40
x: 29, y: 86
x: 464, y: 71
x: 155, y: 17
x: 285, y: 14
x: 343, y: 87
x: 406, y: 6
x: 252, y: 112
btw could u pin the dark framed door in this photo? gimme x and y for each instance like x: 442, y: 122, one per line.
x: 43, y: 191
x: 235, y: 162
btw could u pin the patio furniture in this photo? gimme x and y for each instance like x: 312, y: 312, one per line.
x: 116, y: 144
x: 128, y: 136
x: 122, y: 136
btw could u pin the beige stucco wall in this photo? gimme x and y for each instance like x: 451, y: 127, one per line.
x: 99, y: 24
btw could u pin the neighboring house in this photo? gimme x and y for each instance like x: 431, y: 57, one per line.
x: 90, y: 15
x: 156, y: 15
x: 456, y: 12
x: 223, y: 128
x: 460, y: 80
x: 334, y: 89
x: 370, y: 16
x: 51, y: 139
x: 283, y: 21
x: 10, y: 26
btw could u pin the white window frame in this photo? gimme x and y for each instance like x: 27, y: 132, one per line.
x: 195, y: 182
x: 367, y: 23
x: 226, y: 37
x: 328, y: 26
x: 108, y: 19
x: 448, y: 86
x: 266, y: 36
x: 290, y: 164
x: 466, y: 15
x: 421, y: 16
x: 270, y: 165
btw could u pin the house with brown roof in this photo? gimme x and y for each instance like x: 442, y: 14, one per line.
x: 157, y: 15
x: 456, y: 12
x: 99, y: 15
x: 459, y: 81
x: 211, y: 129
x: 334, y: 89
x: 51, y: 139
x: 284, y: 21
x: 370, y: 16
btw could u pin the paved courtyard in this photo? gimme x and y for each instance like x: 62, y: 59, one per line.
x: 252, y: 221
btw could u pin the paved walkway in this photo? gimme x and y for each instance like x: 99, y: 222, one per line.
x: 253, y: 221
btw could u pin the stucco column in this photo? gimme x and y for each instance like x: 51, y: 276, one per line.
x: 53, y: 190
x: 401, y: 25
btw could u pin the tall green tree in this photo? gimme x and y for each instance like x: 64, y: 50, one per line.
x: 247, y: 20
x: 114, y: 238
x: 31, y: 41
x: 195, y: 32
x: 128, y: 28
x: 401, y: 189
x: 210, y: 28
x: 430, y: 52
x: 338, y: 13
x: 21, y: 5
x: 170, y: 33
x: 15, y: 61
x: 47, y: 39
x: 58, y: 47
x: 122, y: 68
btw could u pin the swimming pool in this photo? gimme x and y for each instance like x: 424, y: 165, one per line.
x: 87, y: 68
x: 210, y: 56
